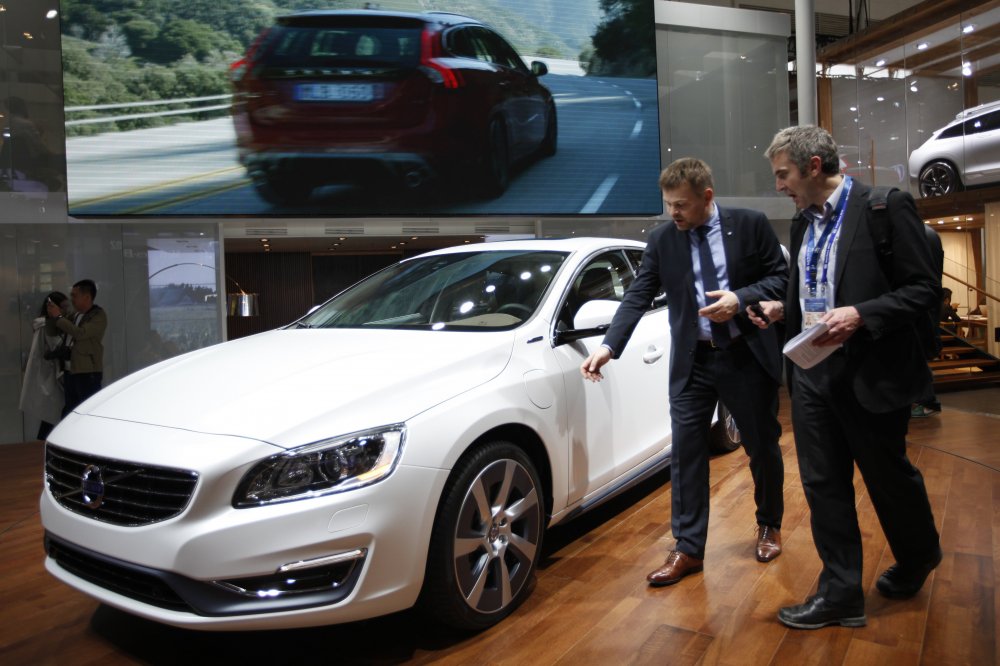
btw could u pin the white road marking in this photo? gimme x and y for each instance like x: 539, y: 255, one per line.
x: 637, y: 129
x: 600, y: 194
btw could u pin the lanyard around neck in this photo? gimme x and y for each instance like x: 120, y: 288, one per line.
x: 826, y: 241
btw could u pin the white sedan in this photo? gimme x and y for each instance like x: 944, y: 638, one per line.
x: 408, y: 442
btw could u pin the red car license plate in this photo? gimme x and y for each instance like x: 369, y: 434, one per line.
x: 338, y: 92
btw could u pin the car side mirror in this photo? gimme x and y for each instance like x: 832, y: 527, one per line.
x: 592, y: 319
x: 539, y: 68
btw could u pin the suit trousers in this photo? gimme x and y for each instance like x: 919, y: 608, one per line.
x: 832, y: 433
x: 78, y: 387
x: 734, y: 377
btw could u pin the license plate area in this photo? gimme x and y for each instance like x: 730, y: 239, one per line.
x: 339, y: 92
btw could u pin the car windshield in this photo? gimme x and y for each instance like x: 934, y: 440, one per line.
x: 467, y: 291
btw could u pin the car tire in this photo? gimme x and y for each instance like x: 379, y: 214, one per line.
x: 938, y: 179
x: 282, y: 190
x: 549, y: 143
x: 496, y: 167
x: 480, y: 570
x: 725, y: 436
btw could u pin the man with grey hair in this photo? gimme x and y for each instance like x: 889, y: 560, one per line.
x: 853, y: 407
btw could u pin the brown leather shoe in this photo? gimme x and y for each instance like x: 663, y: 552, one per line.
x: 676, y: 566
x: 768, y: 543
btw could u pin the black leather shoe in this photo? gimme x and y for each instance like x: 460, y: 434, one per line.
x: 817, y: 612
x: 902, y: 582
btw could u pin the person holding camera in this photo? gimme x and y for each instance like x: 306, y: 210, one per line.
x: 42, y: 389
x: 85, y: 351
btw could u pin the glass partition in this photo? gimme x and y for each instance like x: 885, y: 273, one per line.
x: 723, y: 95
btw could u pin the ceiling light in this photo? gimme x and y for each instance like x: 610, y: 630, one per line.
x: 967, y: 29
x: 922, y: 46
x: 413, y: 238
x: 913, y: 87
x: 27, y: 35
x: 966, y: 69
x: 854, y: 108
x: 51, y: 14
x: 263, y: 240
x: 940, y: 221
x: 880, y: 62
x: 927, y: 221
x: 954, y: 219
x: 968, y: 219
x: 959, y: 228
x: 880, y: 99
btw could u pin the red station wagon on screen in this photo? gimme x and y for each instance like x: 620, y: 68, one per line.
x: 372, y: 97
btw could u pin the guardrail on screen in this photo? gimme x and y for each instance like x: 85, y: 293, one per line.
x: 151, y: 114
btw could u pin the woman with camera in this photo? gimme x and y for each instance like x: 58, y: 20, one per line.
x: 42, y: 389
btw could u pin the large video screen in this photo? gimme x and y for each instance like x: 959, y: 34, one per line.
x: 348, y: 108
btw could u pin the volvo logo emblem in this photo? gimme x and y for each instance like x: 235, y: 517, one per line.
x: 92, y: 487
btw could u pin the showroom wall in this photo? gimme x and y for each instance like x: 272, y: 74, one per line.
x: 162, y: 281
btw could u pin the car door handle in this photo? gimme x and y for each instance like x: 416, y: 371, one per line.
x: 652, y: 355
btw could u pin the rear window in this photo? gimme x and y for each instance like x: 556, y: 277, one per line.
x: 343, y: 45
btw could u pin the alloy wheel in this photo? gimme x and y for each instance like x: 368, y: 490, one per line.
x: 497, y: 535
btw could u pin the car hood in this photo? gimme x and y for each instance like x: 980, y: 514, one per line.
x: 296, y: 386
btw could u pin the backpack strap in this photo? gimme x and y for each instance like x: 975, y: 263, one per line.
x: 880, y: 227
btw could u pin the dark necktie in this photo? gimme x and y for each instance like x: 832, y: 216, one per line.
x: 710, y: 280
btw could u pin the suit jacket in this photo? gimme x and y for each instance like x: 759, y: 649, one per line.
x: 756, y: 270
x: 886, y: 367
x: 87, y: 354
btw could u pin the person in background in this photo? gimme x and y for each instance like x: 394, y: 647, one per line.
x: 949, y: 315
x: 42, y: 389
x: 85, y: 333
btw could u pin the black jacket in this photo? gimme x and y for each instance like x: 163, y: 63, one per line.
x: 756, y: 270
x: 885, y: 361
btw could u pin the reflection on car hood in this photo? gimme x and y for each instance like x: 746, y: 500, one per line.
x: 293, y: 387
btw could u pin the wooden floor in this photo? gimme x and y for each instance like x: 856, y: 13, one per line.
x: 591, y: 604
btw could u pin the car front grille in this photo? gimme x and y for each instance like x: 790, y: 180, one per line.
x: 128, y: 581
x: 115, y: 491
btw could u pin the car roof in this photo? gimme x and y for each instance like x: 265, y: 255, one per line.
x: 447, y: 18
x: 976, y: 110
x: 543, y: 244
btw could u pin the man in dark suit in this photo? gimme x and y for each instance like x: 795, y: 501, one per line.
x: 711, y: 262
x: 853, y: 407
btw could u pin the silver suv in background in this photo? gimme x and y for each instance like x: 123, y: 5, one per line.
x: 961, y: 154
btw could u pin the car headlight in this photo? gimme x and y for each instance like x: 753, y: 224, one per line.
x: 321, y: 468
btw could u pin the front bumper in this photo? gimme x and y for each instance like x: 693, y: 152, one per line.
x: 188, y: 571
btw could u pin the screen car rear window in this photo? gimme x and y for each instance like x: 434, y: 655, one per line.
x: 332, y: 45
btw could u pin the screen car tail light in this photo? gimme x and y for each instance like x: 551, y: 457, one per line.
x: 239, y: 68
x: 431, y: 63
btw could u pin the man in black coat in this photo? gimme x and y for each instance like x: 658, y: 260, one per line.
x: 712, y: 262
x: 854, y: 406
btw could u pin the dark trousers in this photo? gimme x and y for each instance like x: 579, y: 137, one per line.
x: 832, y: 433
x: 79, y: 386
x: 736, y: 378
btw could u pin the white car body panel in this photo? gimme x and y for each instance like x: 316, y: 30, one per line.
x: 221, y: 410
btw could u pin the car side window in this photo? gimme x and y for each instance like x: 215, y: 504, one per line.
x: 635, y: 256
x: 502, y: 52
x: 605, y: 277
x: 460, y: 43
x: 986, y: 123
